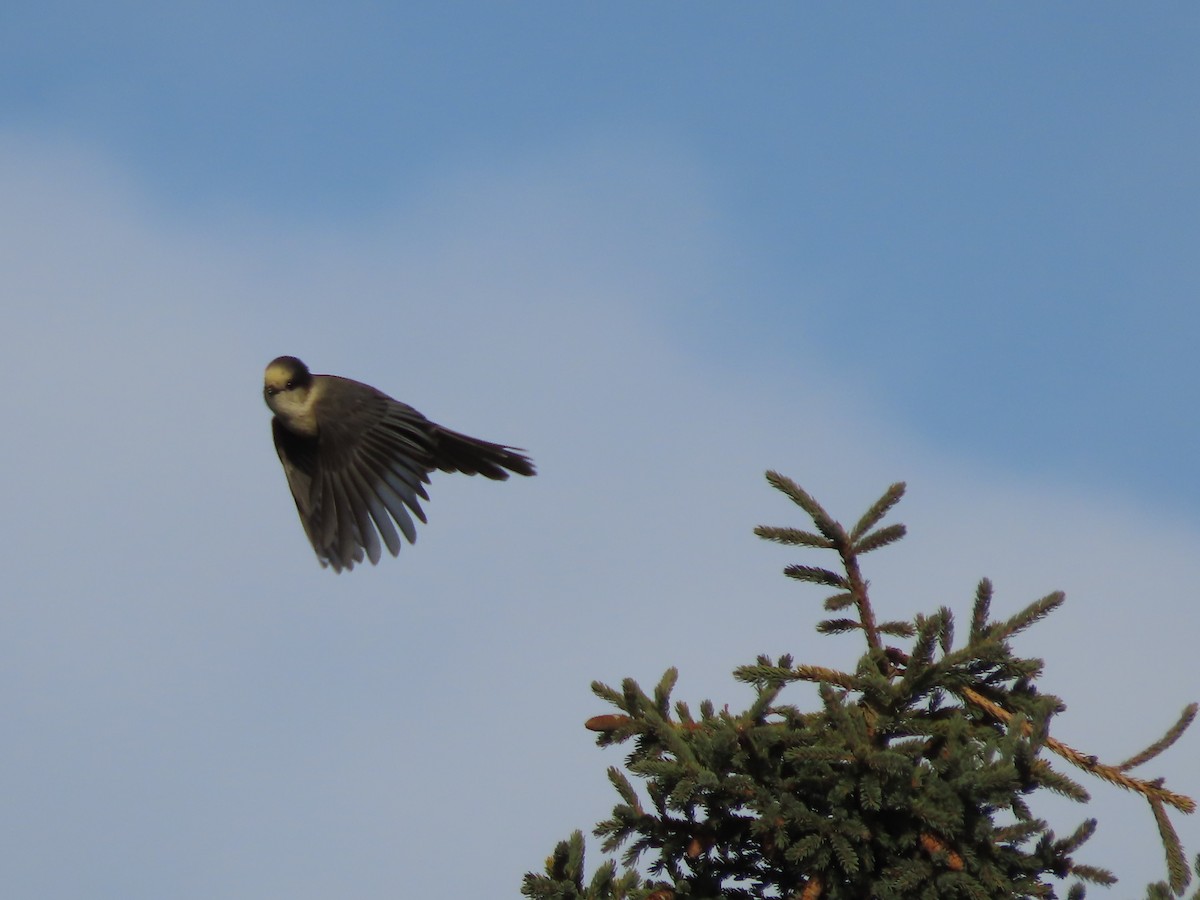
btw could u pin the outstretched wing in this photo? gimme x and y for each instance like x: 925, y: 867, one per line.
x: 360, y: 474
x: 368, y: 466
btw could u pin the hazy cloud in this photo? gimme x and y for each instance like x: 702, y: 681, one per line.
x: 197, y: 710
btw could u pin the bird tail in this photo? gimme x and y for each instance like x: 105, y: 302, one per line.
x: 458, y: 453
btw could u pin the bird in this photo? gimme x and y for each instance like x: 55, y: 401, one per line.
x: 357, y: 460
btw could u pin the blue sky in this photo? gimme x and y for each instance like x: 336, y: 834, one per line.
x: 996, y: 190
x: 664, y: 248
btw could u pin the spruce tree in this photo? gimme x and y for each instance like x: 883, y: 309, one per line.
x: 912, y: 778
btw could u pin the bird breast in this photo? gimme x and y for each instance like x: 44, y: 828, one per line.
x: 294, y: 409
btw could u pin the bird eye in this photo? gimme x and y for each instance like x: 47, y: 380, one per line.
x: 289, y: 385
x: 271, y: 392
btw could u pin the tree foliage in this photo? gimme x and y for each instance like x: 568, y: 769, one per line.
x: 912, y: 778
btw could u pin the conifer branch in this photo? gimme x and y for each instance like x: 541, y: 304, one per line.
x: 822, y: 675
x: 662, y: 692
x: 1177, y: 868
x: 1031, y: 614
x: 838, y: 626
x: 844, y: 544
x: 1151, y: 790
x: 858, y: 587
x: 800, y: 497
x: 836, y: 602
x: 777, y: 675
x: 1173, y: 734
x: 793, y: 536
x: 878, y: 510
x: 880, y: 538
x: 981, y: 610
x: 815, y: 575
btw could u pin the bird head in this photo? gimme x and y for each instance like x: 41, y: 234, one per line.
x: 286, y: 386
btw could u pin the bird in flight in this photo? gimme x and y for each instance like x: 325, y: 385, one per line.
x: 357, y: 460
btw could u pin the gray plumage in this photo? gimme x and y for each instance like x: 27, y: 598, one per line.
x: 357, y: 461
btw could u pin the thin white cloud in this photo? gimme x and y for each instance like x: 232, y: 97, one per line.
x: 199, y: 710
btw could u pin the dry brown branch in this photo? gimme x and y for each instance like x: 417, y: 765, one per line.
x: 1150, y: 790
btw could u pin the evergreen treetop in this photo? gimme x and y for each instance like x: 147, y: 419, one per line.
x: 911, y: 779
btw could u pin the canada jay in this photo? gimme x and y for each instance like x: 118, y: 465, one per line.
x: 357, y: 460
